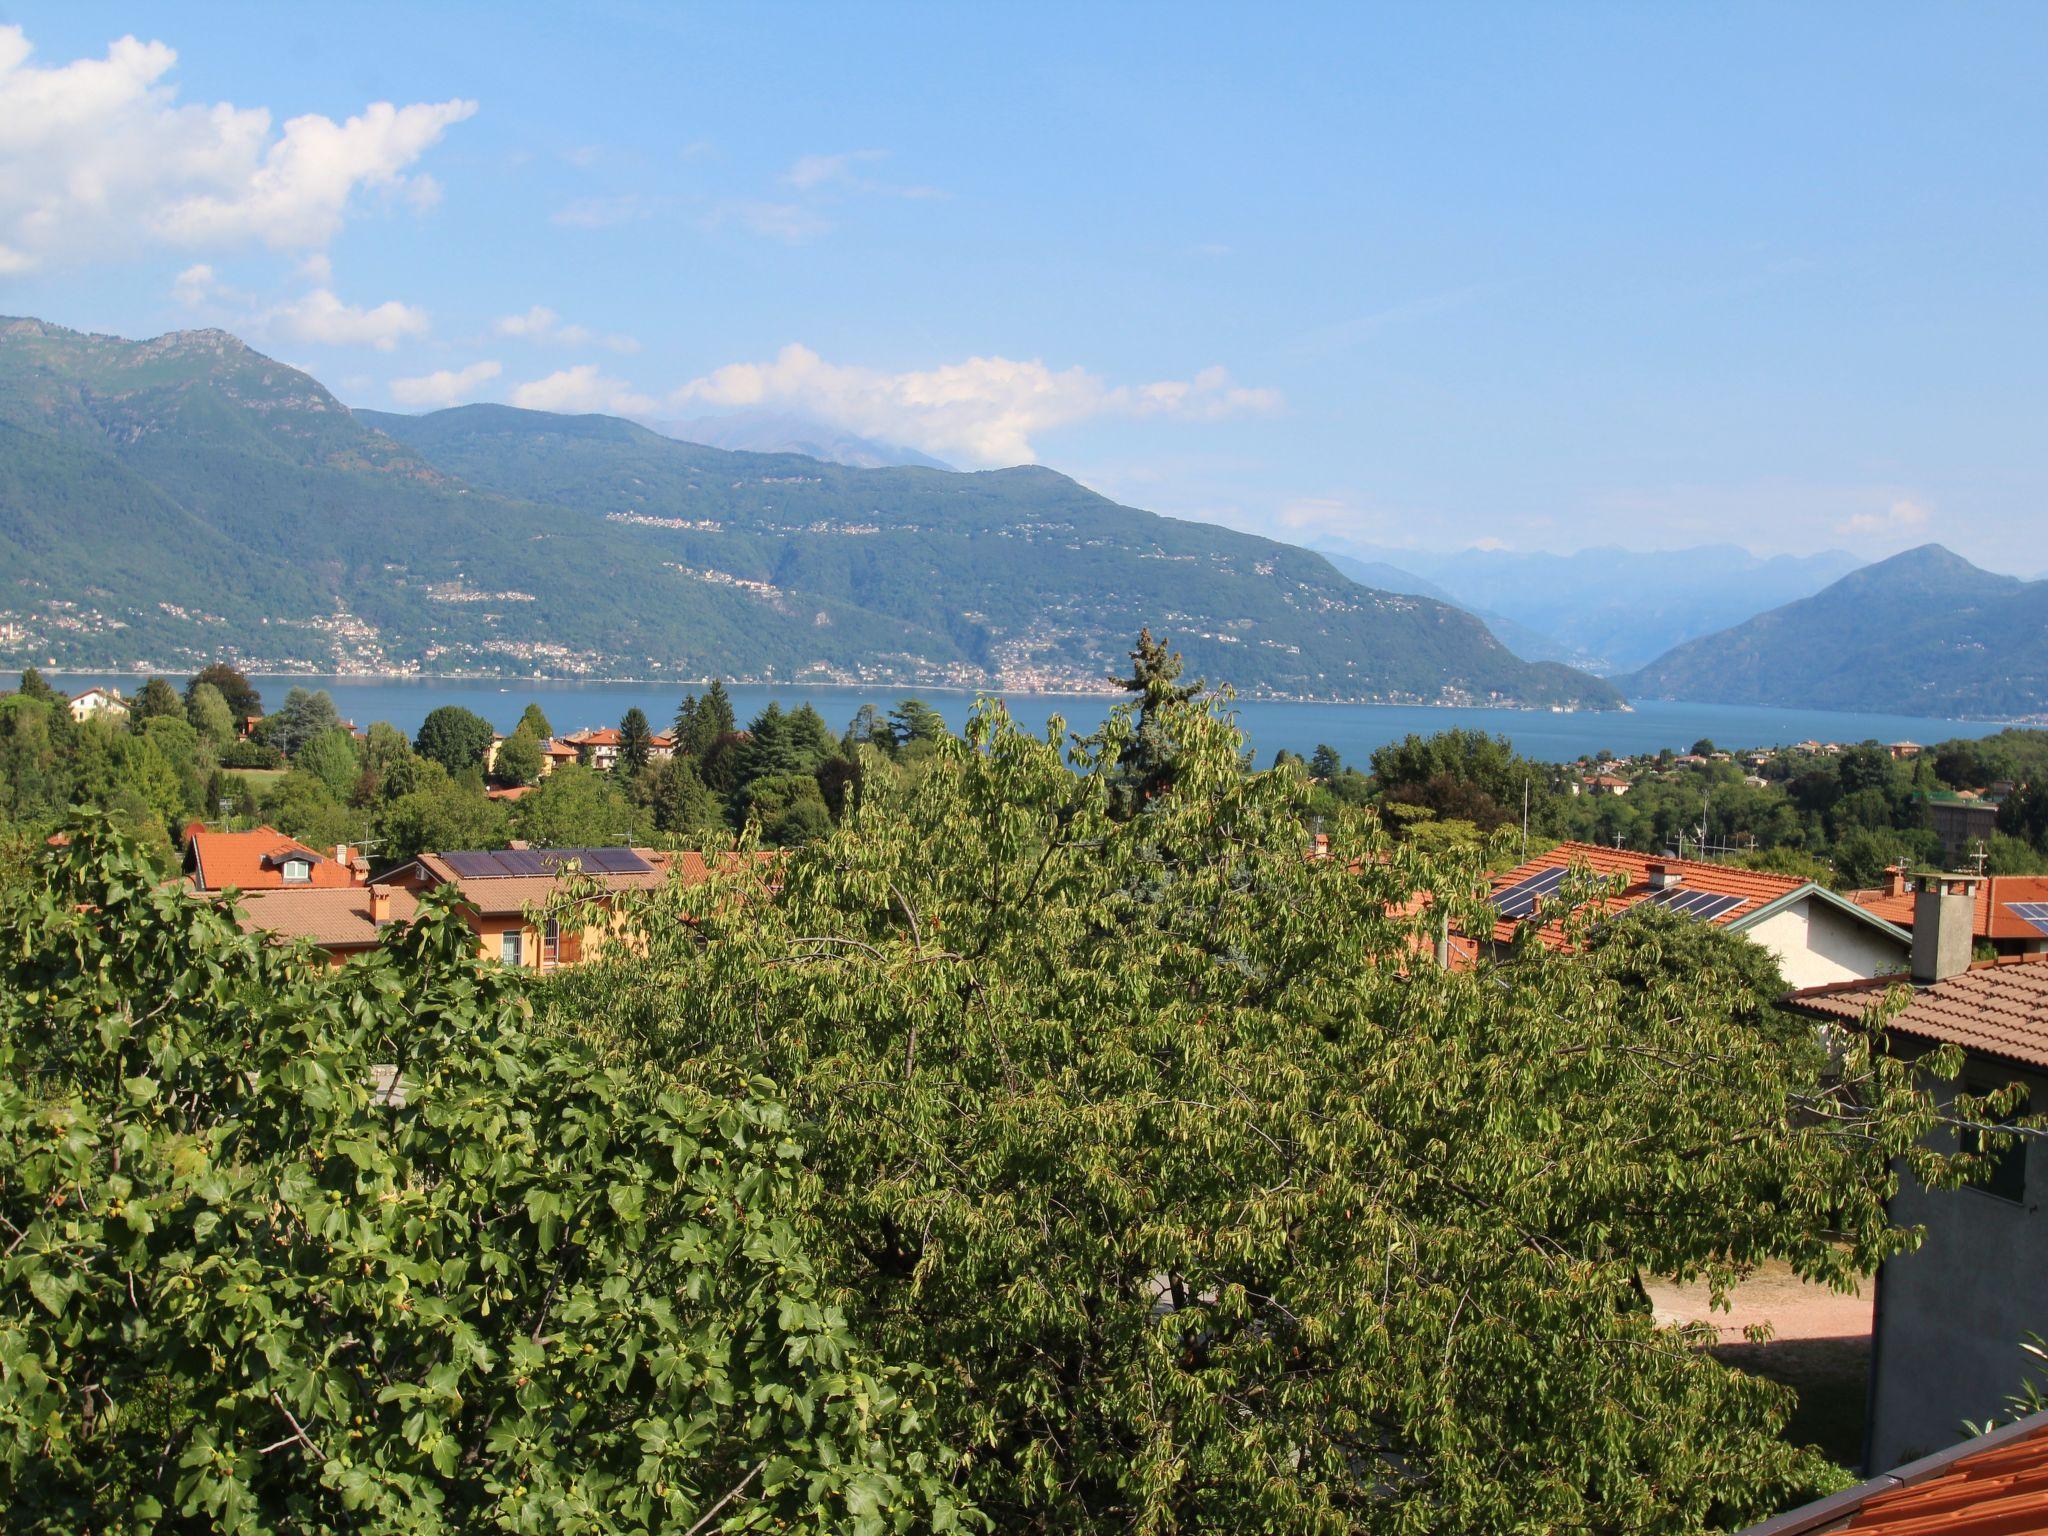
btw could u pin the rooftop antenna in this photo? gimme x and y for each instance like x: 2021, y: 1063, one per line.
x: 1525, y: 817
x: 1980, y: 857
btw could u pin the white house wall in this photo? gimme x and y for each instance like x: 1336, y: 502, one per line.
x: 1816, y: 943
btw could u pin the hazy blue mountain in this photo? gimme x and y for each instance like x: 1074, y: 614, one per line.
x: 1923, y: 633
x: 1527, y: 643
x: 1615, y: 609
x: 166, y: 502
x: 778, y: 432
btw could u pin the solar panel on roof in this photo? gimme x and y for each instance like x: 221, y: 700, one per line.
x: 619, y: 861
x: 1519, y: 899
x: 2033, y: 913
x: 473, y: 866
x: 1704, y: 905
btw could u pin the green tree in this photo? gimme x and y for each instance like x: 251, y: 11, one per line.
x: 1220, y: 1212
x: 1146, y: 768
x: 157, y: 699
x: 34, y: 687
x: 1325, y: 763
x: 1462, y: 775
x: 532, y: 719
x: 578, y: 807
x: 913, y: 721
x: 323, y: 1251
x: 519, y: 760
x: 441, y: 815
x: 454, y: 737
x: 333, y: 758
x: 302, y: 804
x: 683, y: 804
x: 240, y: 694
x: 636, y: 741
x: 308, y: 713
x: 208, y: 713
x: 789, y: 807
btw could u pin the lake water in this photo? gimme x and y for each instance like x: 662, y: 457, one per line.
x: 1353, y: 729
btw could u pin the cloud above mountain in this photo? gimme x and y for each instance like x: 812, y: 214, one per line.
x: 99, y: 159
x: 445, y: 386
x: 983, y: 410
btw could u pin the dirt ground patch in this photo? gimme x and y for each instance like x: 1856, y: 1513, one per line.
x: 1820, y: 1348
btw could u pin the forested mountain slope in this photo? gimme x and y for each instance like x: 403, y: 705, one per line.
x: 1923, y: 633
x: 170, y: 501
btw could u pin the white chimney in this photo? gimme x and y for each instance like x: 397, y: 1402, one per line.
x: 1665, y: 878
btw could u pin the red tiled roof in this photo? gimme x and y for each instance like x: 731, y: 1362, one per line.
x: 1996, y: 895
x: 1994, y: 1487
x: 1756, y: 888
x: 500, y: 895
x: 1998, y: 1007
x: 253, y: 861
x: 332, y: 919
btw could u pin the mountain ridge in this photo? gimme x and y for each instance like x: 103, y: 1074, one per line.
x: 267, y: 522
x: 1924, y: 632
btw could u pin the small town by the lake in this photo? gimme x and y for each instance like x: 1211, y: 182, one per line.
x: 1023, y: 769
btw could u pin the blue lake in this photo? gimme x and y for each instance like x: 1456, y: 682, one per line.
x: 1353, y: 729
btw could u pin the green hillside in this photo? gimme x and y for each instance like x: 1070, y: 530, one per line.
x: 1923, y: 633
x: 169, y: 501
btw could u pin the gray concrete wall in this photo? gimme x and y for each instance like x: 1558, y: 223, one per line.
x: 1951, y: 1316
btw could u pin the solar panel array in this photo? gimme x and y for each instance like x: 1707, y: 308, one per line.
x: 545, y: 861
x: 1704, y: 905
x: 1519, y: 900
x: 2033, y: 913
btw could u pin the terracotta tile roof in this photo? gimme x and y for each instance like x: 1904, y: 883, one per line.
x: 1996, y: 897
x: 501, y: 895
x: 1998, y: 1007
x: 1753, y: 888
x: 1996, y: 1486
x: 332, y: 919
x: 253, y: 861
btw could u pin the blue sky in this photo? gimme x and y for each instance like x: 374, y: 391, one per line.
x: 1548, y: 276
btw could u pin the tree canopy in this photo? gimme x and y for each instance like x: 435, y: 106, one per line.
x: 458, y: 739
x: 295, y: 1249
x: 1214, y: 1204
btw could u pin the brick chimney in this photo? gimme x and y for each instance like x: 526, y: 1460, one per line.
x: 1944, y: 918
x: 1663, y: 877
x: 380, y: 905
x: 1895, y: 880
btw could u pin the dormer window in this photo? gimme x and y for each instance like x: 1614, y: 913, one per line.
x: 297, y: 871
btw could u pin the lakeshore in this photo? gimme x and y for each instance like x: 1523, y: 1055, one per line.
x: 1270, y: 725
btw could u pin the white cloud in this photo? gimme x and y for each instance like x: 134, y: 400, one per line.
x: 541, y: 324
x: 816, y: 170
x: 604, y: 212
x: 1902, y: 515
x: 321, y: 317
x: 580, y: 389
x: 317, y: 268
x: 98, y: 159
x: 194, y: 286
x: 841, y: 173
x: 447, y: 386
x: 791, y: 223
x: 984, y: 410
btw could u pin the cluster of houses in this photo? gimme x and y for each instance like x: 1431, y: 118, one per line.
x: 1969, y: 953
x: 328, y: 899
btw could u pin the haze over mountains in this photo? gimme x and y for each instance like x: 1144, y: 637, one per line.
x: 781, y: 432
x: 171, y: 501
x: 1609, y: 610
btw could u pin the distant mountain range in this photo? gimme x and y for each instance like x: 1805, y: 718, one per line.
x: 1923, y: 633
x: 778, y: 432
x: 167, y: 502
x: 1527, y: 643
x: 1609, y: 610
